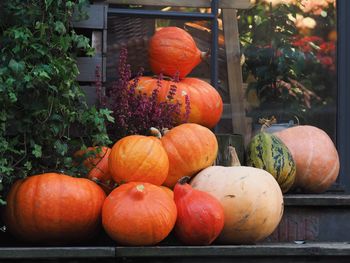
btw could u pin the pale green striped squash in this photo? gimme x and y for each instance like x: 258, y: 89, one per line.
x: 266, y: 151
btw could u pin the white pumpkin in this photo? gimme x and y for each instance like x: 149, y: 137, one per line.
x: 252, y: 201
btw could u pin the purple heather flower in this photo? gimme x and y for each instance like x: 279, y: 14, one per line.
x: 135, y: 112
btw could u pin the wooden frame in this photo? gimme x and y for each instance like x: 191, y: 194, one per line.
x: 343, y: 111
x: 235, y: 4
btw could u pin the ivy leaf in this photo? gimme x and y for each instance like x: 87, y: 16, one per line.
x: 108, y: 114
x: 61, y: 148
x: 16, y: 66
x: 60, y: 28
x: 37, y: 151
x: 28, y: 165
x: 48, y: 3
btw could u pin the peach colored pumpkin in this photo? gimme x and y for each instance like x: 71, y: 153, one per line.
x: 251, y: 198
x: 315, y: 155
x: 190, y: 148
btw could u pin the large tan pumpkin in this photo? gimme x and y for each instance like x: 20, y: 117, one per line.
x: 315, y: 155
x: 251, y: 198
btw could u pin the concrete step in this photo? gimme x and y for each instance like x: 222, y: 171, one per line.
x: 286, y: 252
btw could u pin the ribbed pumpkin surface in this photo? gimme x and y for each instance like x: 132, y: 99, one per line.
x: 190, y: 148
x: 138, y: 214
x: 315, y: 155
x: 266, y: 151
x: 54, y: 208
x: 172, y: 50
x: 205, y: 101
x: 138, y: 158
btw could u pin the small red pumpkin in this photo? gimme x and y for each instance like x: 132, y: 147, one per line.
x: 54, y: 208
x: 190, y: 148
x: 138, y: 158
x: 200, y: 216
x: 173, y: 51
x: 96, y: 162
x: 138, y: 214
x: 315, y: 155
x: 206, y: 104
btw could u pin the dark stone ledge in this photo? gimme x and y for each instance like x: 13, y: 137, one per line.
x: 317, y: 200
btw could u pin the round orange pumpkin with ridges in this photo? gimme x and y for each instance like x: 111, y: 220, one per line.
x: 206, y: 104
x: 54, y: 208
x: 316, y: 158
x: 138, y: 214
x: 173, y: 51
x: 190, y: 148
x: 138, y: 158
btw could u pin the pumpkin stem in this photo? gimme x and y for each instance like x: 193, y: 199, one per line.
x: 204, y: 55
x: 266, y: 122
x: 140, y: 187
x: 297, y: 119
x: 165, y: 131
x: 155, y: 132
x: 234, y: 157
x: 184, y: 180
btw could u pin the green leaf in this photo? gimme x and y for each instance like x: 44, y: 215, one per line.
x: 48, y: 3
x: 16, y: 66
x: 61, y: 148
x: 60, y: 28
x: 37, y: 151
x: 108, y: 114
x: 28, y: 165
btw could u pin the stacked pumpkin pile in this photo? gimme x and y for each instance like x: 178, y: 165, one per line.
x: 166, y: 182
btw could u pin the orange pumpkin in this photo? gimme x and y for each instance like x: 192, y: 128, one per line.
x: 96, y: 162
x: 315, y: 155
x: 205, y: 102
x: 190, y: 148
x: 54, y: 208
x: 168, y: 191
x: 138, y: 158
x: 173, y: 51
x: 138, y: 214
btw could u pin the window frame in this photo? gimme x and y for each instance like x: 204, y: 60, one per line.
x: 343, y: 105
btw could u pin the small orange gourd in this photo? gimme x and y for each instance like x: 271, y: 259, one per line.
x: 96, y: 162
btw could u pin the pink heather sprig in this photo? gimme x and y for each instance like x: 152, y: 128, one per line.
x: 135, y: 112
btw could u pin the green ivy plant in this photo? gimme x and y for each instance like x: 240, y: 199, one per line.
x: 44, y: 116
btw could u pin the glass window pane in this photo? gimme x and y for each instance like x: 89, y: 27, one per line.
x: 289, y: 49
